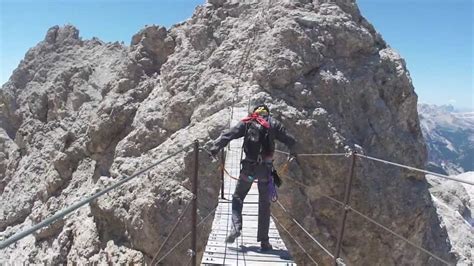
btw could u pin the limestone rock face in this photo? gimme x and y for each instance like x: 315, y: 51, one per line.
x: 455, y: 204
x: 78, y: 115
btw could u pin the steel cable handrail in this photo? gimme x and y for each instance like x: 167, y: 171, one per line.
x: 241, y: 65
x: 305, y: 231
x: 189, y: 261
x: 186, y: 236
x: 361, y: 214
x: 312, y: 154
x: 382, y: 161
x: 386, y: 229
x: 415, y: 169
x: 294, y: 239
x: 83, y: 202
x: 172, y: 230
x: 376, y: 223
x: 229, y: 191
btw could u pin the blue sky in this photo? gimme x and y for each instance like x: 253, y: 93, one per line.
x: 434, y: 36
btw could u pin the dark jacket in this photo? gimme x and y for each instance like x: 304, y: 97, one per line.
x: 277, y: 131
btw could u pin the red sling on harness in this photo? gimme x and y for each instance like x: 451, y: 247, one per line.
x: 257, y: 118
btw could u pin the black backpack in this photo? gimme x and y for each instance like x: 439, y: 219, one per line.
x: 256, y: 139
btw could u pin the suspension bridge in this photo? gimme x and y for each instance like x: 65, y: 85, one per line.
x: 244, y: 251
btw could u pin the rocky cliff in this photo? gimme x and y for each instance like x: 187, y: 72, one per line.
x: 78, y: 114
x: 449, y: 138
x: 455, y: 205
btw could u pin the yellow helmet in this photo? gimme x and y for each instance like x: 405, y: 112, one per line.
x: 262, y: 110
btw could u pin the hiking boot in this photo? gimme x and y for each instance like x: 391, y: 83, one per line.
x: 265, y: 246
x: 232, y: 236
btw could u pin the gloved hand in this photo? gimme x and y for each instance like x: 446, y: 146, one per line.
x: 276, y: 178
x: 214, y: 150
x: 293, y: 154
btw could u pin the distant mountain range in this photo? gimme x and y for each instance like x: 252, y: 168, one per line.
x: 449, y: 136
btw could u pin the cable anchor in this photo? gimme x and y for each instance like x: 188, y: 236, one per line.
x: 340, y: 262
x: 191, y: 253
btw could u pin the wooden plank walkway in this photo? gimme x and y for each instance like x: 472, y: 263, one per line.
x: 245, y: 249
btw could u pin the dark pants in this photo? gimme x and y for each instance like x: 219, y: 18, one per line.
x: 262, y: 173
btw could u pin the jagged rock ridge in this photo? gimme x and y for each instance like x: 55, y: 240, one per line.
x: 77, y: 114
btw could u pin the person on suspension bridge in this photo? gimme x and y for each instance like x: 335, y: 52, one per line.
x: 259, y: 130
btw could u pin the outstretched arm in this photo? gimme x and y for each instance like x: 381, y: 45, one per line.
x: 283, y: 135
x: 235, y: 132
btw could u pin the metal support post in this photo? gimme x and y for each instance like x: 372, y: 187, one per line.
x: 347, y: 196
x: 194, y: 211
x: 222, y: 173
